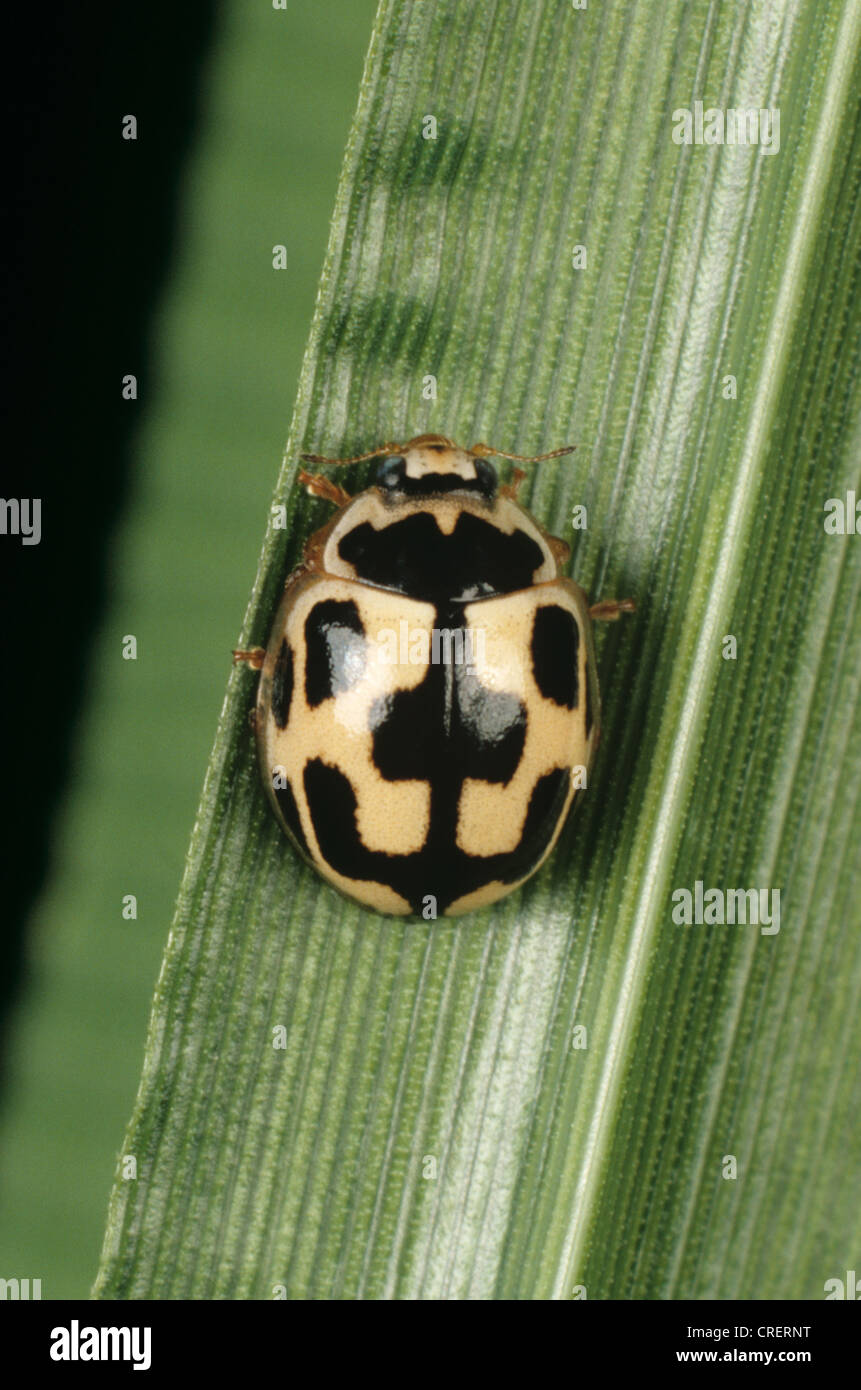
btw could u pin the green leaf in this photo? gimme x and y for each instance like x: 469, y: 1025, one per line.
x: 430, y: 1129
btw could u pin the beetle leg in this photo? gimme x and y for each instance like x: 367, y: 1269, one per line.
x: 561, y: 550
x: 253, y: 656
x: 609, y: 609
x: 511, y: 489
x: 320, y: 486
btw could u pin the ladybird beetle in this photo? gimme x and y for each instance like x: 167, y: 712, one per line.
x: 428, y: 701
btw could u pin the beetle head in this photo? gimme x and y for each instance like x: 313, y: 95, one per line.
x: 431, y: 464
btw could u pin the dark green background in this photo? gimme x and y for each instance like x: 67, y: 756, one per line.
x: 153, y: 514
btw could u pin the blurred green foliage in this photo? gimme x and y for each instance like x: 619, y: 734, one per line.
x: 278, y: 95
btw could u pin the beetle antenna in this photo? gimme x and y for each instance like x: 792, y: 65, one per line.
x: 485, y: 451
x: 356, y: 458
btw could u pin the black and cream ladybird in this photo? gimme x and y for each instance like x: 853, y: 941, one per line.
x: 428, y: 701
